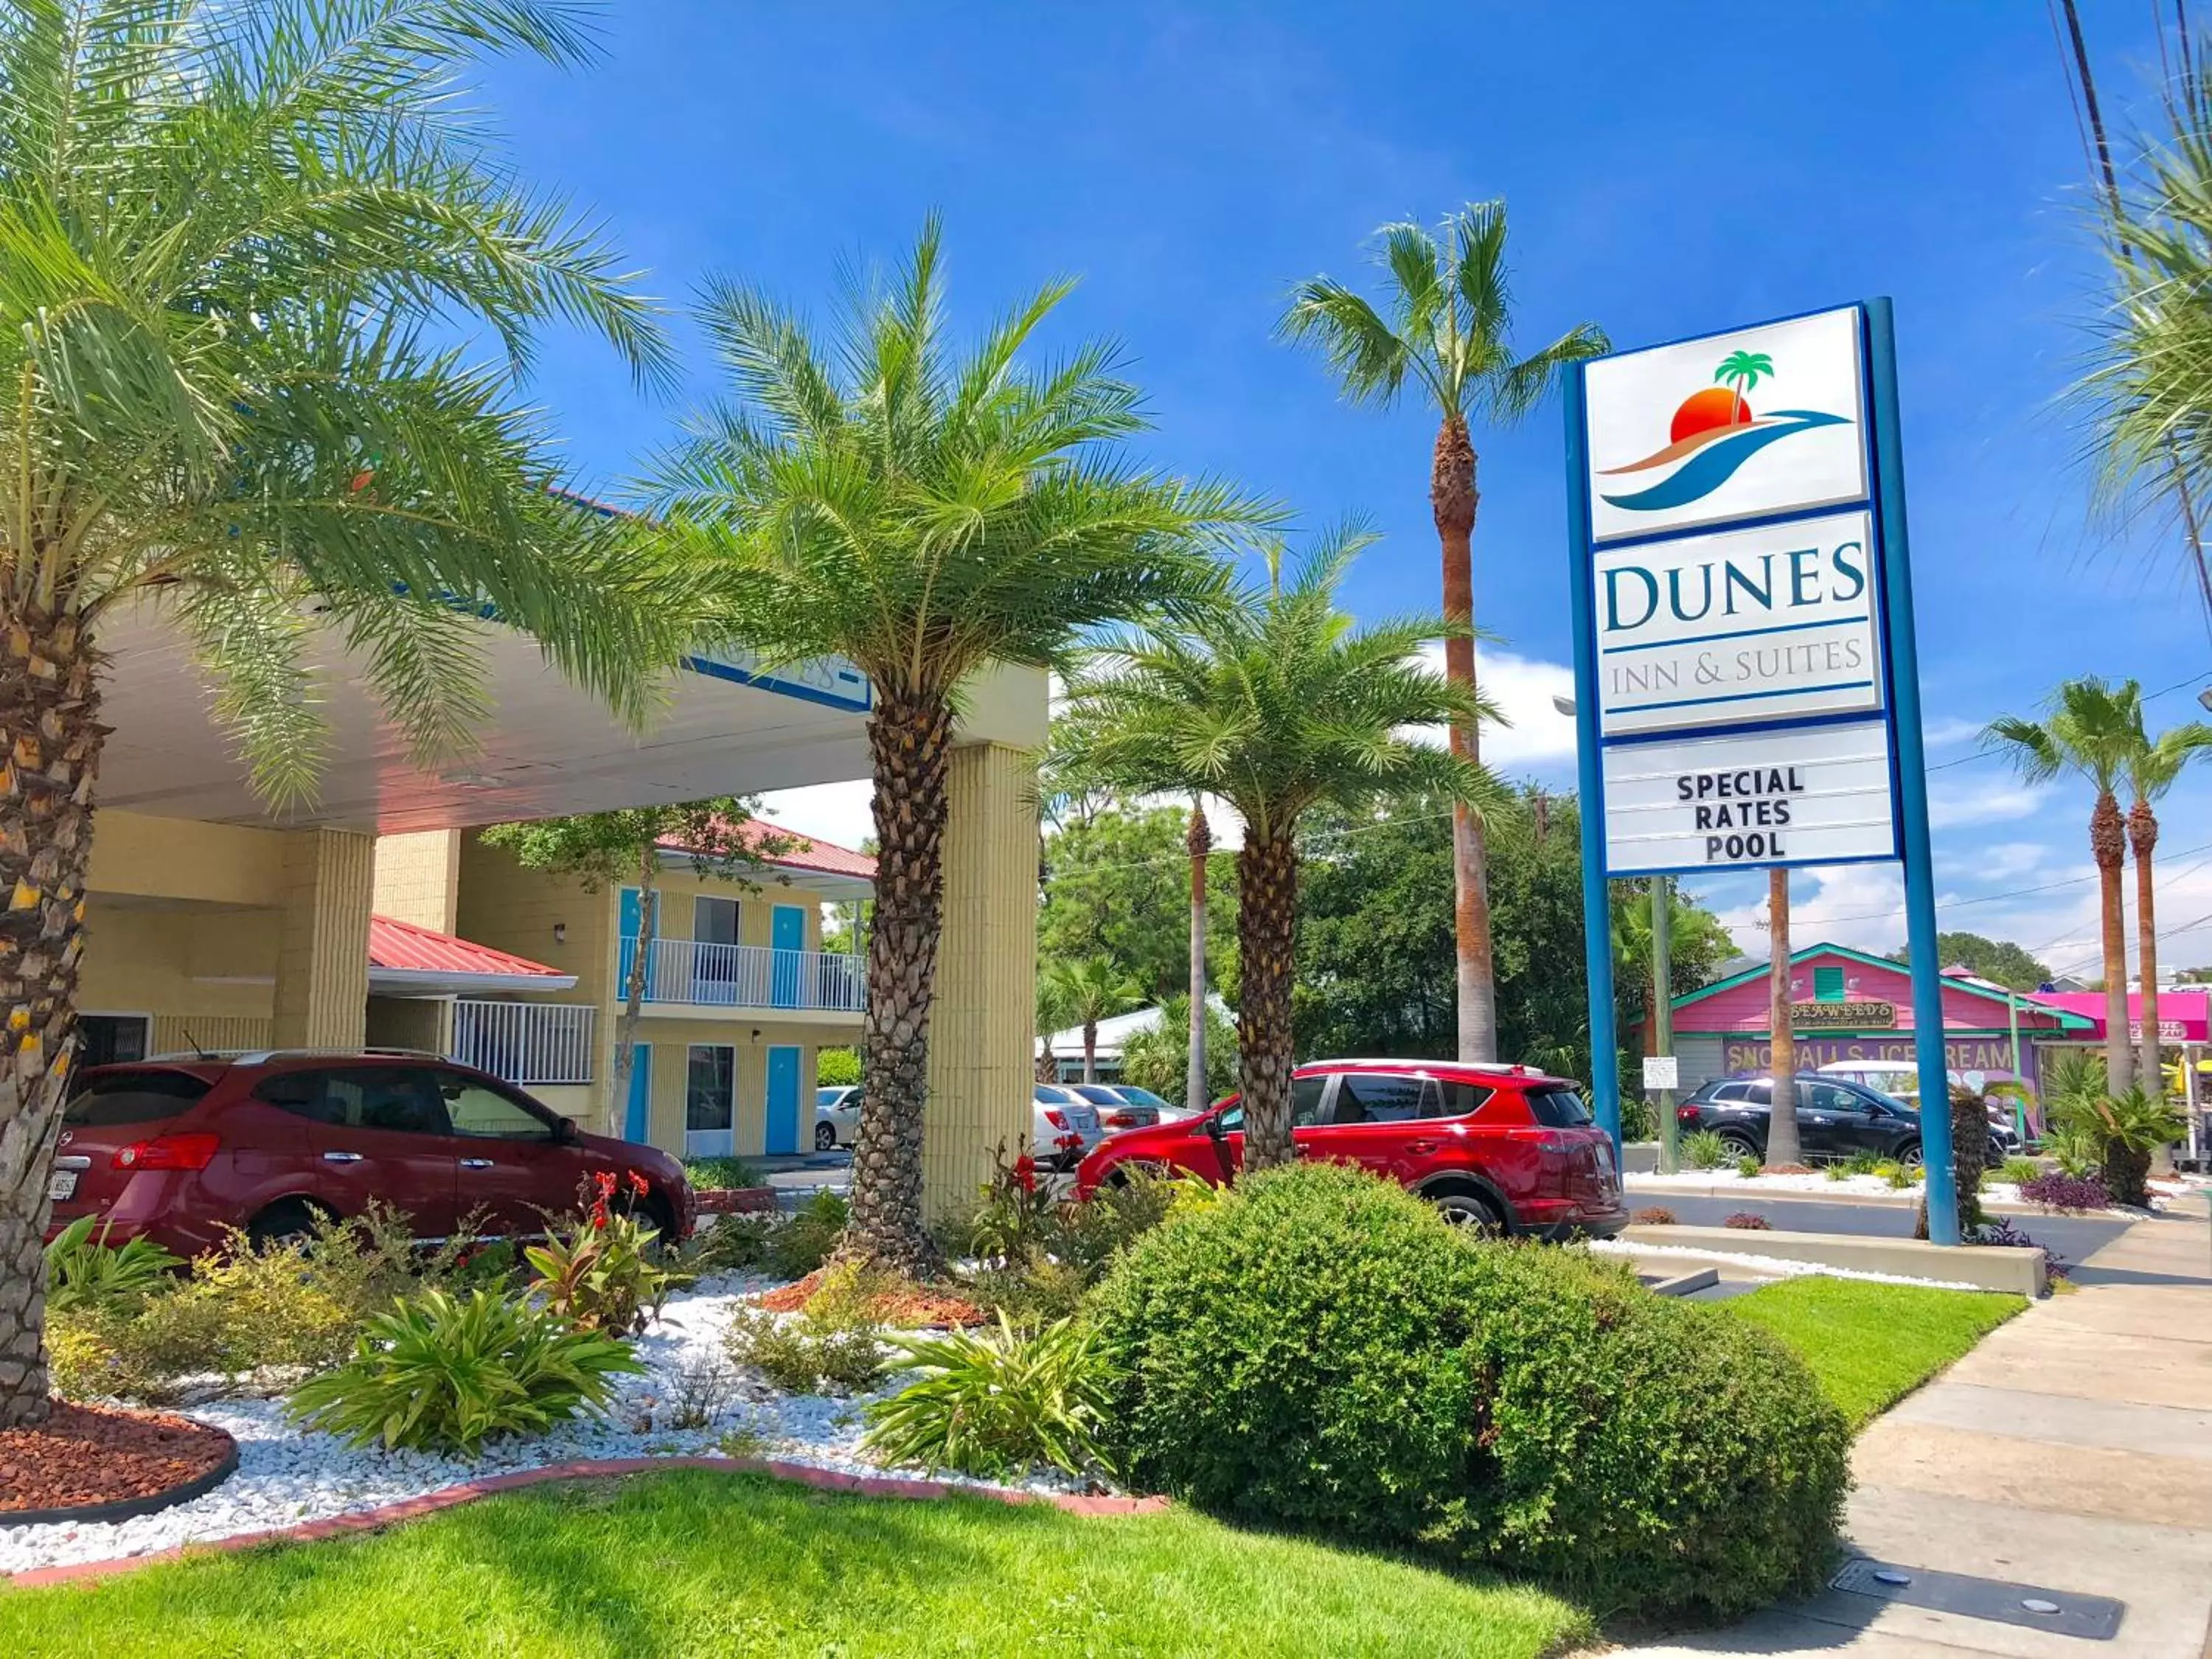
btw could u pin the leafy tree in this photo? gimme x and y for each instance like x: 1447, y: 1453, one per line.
x: 1089, y: 990
x: 1696, y: 944
x: 1159, y: 1057
x: 924, y: 513
x: 2152, y: 766
x: 236, y: 243
x: 2090, y: 729
x: 1115, y: 886
x: 1447, y: 330
x: 604, y: 849
x: 1274, y: 702
x: 1999, y: 961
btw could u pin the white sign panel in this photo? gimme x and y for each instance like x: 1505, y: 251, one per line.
x: 1813, y: 795
x: 1770, y: 624
x: 1762, y: 420
x: 1661, y: 1072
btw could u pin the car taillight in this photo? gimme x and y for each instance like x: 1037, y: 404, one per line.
x: 1686, y: 1113
x: 190, y: 1152
x: 1055, y: 1119
x: 1122, y: 1120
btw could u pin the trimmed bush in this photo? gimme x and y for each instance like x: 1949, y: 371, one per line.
x: 2059, y: 1191
x: 1321, y: 1349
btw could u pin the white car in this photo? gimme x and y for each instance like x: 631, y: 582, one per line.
x: 1064, y: 1127
x: 836, y: 1116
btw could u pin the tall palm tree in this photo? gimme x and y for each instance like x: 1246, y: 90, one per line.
x: 1275, y: 702
x: 924, y: 512
x: 1740, y: 371
x: 1782, y: 1116
x: 2150, y: 769
x: 1090, y: 990
x: 235, y: 242
x: 2090, y: 729
x: 1199, y: 843
x: 1444, y: 325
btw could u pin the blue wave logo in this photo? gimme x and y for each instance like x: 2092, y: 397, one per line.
x: 1703, y: 461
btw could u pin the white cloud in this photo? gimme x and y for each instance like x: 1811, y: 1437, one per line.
x: 1539, y: 737
x: 1942, y: 733
x: 1955, y: 805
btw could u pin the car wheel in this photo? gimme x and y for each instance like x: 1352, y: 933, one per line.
x: 1739, y: 1144
x: 1471, y: 1211
x: 826, y: 1137
x: 1908, y: 1155
x: 288, y: 1221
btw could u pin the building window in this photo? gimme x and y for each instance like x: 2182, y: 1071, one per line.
x: 710, y: 1100
x: 109, y: 1039
x: 1828, y: 985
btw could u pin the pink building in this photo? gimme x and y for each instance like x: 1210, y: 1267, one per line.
x: 1849, y: 1006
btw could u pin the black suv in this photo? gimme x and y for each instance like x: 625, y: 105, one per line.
x: 1836, y: 1119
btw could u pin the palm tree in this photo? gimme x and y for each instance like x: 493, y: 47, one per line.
x: 1449, y: 314
x: 235, y: 242
x: 1090, y: 990
x: 1199, y: 843
x: 2150, y: 769
x: 2090, y: 728
x: 1276, y: 703
x: 1740, y: 371
x: 924, y: 512
x: 1782, y: 1116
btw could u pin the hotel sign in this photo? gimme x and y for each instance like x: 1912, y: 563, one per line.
x: 1841, y: 1015
x: 1732, y: 630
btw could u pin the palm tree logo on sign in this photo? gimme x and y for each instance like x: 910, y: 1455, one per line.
x: 1715, y: 431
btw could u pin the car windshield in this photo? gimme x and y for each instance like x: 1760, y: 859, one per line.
x: 828, y: 1096
x: 1097, y: 1093
x: 1047, y: 1095
x: 1137, y: 1097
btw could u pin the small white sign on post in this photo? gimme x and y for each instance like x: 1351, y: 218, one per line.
x: 1661, y: 1072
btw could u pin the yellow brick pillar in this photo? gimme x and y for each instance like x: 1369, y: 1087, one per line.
x: 983, y: 1029
x: 418, y: 877
x: 322, y: 950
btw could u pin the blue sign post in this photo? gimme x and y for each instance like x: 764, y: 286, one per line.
x: 1746, y: 669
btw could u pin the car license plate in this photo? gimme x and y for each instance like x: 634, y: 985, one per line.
x: 1084, y: 1121
x: 62, y: 1186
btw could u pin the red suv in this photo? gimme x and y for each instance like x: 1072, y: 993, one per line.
x: 1503, y: 1148
x: 180, y: 1149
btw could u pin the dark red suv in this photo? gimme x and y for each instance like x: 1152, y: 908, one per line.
x: 180, y: 1149
x: 1499, y: 1147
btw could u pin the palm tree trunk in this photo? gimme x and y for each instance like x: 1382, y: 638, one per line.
x: 910, y: 748
x: 2108, y: 845
x: 649, y: 929
x: 1266, y: 927
x: 1199, y: 842
x: 1782, y: 1117
x: 50, y: 725
x: 1452, y: 500
x: 1091, y: 1051
x: 2143, y: 840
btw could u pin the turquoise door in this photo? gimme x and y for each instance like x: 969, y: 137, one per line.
x: 782, y: 1099
x: 787, y: 935
x: 638, y: 1124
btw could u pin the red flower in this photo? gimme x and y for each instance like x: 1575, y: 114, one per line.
x: 599, y: 1214
x: 1025, y: 1172
x: 1069, y: 1143
x: 637, y: 1183
x: 605, y: 1179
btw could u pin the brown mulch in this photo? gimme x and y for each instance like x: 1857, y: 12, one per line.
x: 103, y: 1455
x: 906, y: 1305
x: 1791, y: 1169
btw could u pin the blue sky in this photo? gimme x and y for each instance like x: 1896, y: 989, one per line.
x: 1670, y: 171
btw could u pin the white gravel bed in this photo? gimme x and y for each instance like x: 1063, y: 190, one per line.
x: 287, y: 1475
x: 1773, y: 1266
x: 1863, y: 1186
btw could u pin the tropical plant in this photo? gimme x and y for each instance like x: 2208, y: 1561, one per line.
x: 995, y: 1403
x: 1970, y: 1150
x: 1448, y: 305
x: 721, y: 1174
x: 1274, y: 702
x: 805, y: 1239
x: 2089, y: 729
x: 442, y: 1373
x: 924, y: 515
x: 599, y: 1275
x: 2150, y: 767
x: 85, y: 1271
x: 1702, y: 1148
x: 2059, y: 1190
x: 237, y: 244
x: 2129, y: 1126
x: 1740, y: 371
x: 1159, y: 1057
x: 1087, y: 991
x: 716, y: 839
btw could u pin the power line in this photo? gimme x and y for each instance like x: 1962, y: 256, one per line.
x: 1989, y: 753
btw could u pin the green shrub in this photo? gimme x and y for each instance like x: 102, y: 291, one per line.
x: 445, y: 1374
x: 721, y: 1174
x: 836, y: 1068
x: 994, y: 1402
x: 805, y: 1239
x: 1704, y: 1149
x: 85, y: 1271
x: 1639, y: 1119
x: 599, y: 1274
x: 1321, y: 1350
x: 1748, y: 1165
x: 730, y: 1243
x: 2014, y: 1170
x: 806, y: 1353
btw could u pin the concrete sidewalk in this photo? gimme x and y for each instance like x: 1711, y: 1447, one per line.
x: 2071, y: 1451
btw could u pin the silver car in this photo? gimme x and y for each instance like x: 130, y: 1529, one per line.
x: 1065, y: 1127
x: 836, y: 1115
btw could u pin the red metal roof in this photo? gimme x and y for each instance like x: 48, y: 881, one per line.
x: 802, y: 851
x: 403, y: 946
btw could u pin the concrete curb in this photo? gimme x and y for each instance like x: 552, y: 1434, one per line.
x: 1664, y: 1187
x: 1990, y: 1267
x: 446, y: 1498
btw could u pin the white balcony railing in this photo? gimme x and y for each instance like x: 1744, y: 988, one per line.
x: 525, y: 1043
x: 746, y: 977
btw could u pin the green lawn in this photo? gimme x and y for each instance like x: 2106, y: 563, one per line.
x: 1870, y: 1344
x: 696, y: 1562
